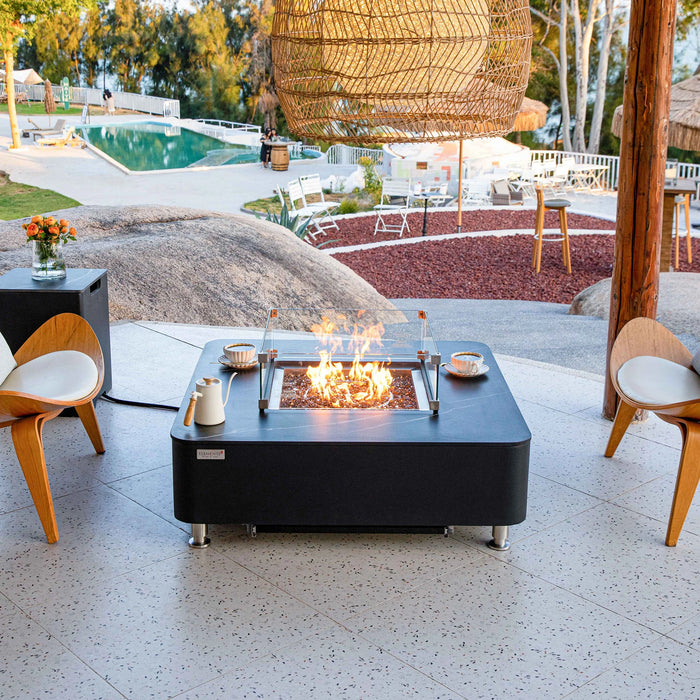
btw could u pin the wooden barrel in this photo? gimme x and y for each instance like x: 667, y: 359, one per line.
x: 280, y: 156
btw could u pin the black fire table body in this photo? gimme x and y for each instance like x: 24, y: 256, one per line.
x: 355, y: 469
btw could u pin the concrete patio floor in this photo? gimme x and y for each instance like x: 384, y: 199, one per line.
x: 587, y: 603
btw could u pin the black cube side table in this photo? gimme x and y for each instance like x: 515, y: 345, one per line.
x: 26, y: 303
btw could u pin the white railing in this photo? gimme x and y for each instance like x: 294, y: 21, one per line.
x: 691, y: 171
x: 236, y: 126
x: 147, y: 104
x: 296, y: 149
x: 340, y: 154
x: 608, y: 180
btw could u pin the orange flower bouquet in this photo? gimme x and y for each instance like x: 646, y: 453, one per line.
x: 47, y: 236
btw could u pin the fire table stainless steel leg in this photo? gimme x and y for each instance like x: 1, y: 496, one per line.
x: 500, y: 538
x: 199, y: 539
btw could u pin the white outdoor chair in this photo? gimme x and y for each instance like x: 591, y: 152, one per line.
x: 524, y: 184
x: 539, y: 173
x: 476, y: 191
x: 295, y: 195
x: 559, y: 180
x: 440, y: 196
x: 393, y: 189
x: 310, y: 187
x: 437, y: 194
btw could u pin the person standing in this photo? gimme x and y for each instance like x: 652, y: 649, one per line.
x: 265, y: 149
x: 108, y: 101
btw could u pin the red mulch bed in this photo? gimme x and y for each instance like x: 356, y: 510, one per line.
x: 485, y: 267
x: 361, y: 229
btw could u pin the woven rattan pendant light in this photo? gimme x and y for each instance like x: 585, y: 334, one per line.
x: 380, y: 71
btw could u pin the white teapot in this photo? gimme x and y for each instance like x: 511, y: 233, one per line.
x: 206, y: 403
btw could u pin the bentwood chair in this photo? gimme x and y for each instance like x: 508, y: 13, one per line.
x: 544, y: 205
x: 60, y: 365
x: 652, y: 370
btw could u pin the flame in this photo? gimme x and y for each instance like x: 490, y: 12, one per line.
x: 363, y: 383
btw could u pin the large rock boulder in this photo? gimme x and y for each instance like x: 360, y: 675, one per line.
x: 678, y: 308
x: 190, y: 266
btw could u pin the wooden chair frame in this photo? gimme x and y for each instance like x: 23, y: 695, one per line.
x: 689, y: 245
x: 539, y: 237
x: 645, y: 336
x: 27, y: 413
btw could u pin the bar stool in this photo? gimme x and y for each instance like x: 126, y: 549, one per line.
x: 543, y: 206
x: 680, y: 200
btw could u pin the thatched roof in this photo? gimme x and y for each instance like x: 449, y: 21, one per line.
x: 532, y: 115
x: 684, y: 115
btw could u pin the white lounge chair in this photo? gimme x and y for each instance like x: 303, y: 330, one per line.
x: 395, y: 199
x: 69, y: 138
x: 39, y: 131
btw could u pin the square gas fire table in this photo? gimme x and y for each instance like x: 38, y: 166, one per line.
x: 459, y: 455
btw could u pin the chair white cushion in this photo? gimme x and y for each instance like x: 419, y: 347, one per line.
x: 66, y: 375
x: 7, y: 362
x: 696, y: 362
x: 658, y: 382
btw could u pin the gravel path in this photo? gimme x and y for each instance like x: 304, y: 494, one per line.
x: 483, y: 267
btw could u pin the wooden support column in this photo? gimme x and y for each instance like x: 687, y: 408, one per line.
x: 635, y: 280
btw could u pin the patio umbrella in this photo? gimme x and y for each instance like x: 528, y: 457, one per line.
x: 27, y: 76
x: 684, y: 116
x: 49, y: 102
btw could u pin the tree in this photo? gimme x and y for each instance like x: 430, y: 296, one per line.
x: 580, y: 22
x: 58, y: 44
x: 217, y: 68
x: 92, y: 47
x: 132, y: 41
x: 17, y: 20
x: 260, y: 80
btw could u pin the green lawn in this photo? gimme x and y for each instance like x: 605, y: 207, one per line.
x: 18, y: 200
x: 36, y: 109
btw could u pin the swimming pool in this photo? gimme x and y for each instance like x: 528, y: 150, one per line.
x: 143, y: 146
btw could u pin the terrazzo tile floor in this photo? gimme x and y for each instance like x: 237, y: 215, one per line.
x: 587, y: 603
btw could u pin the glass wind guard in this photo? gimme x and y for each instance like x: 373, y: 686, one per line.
x: 304, y: 336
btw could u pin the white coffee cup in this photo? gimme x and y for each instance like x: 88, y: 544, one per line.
x: 467, y: 362
x: 240, y: 353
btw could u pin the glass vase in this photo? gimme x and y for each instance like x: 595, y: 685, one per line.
x: 47, y: 260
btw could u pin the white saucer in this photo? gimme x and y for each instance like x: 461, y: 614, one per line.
x: 237, y: 365
x: 452, y: 370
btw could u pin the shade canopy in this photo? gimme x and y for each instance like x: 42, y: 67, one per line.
x: 532, y: 115
x: 378, y: 71
x: 27, y: 76
x: 684, y: 116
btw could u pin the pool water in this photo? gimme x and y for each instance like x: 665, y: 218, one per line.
x: 142, y: 146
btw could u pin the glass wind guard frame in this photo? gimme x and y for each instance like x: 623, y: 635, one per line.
x: 400, y: 340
